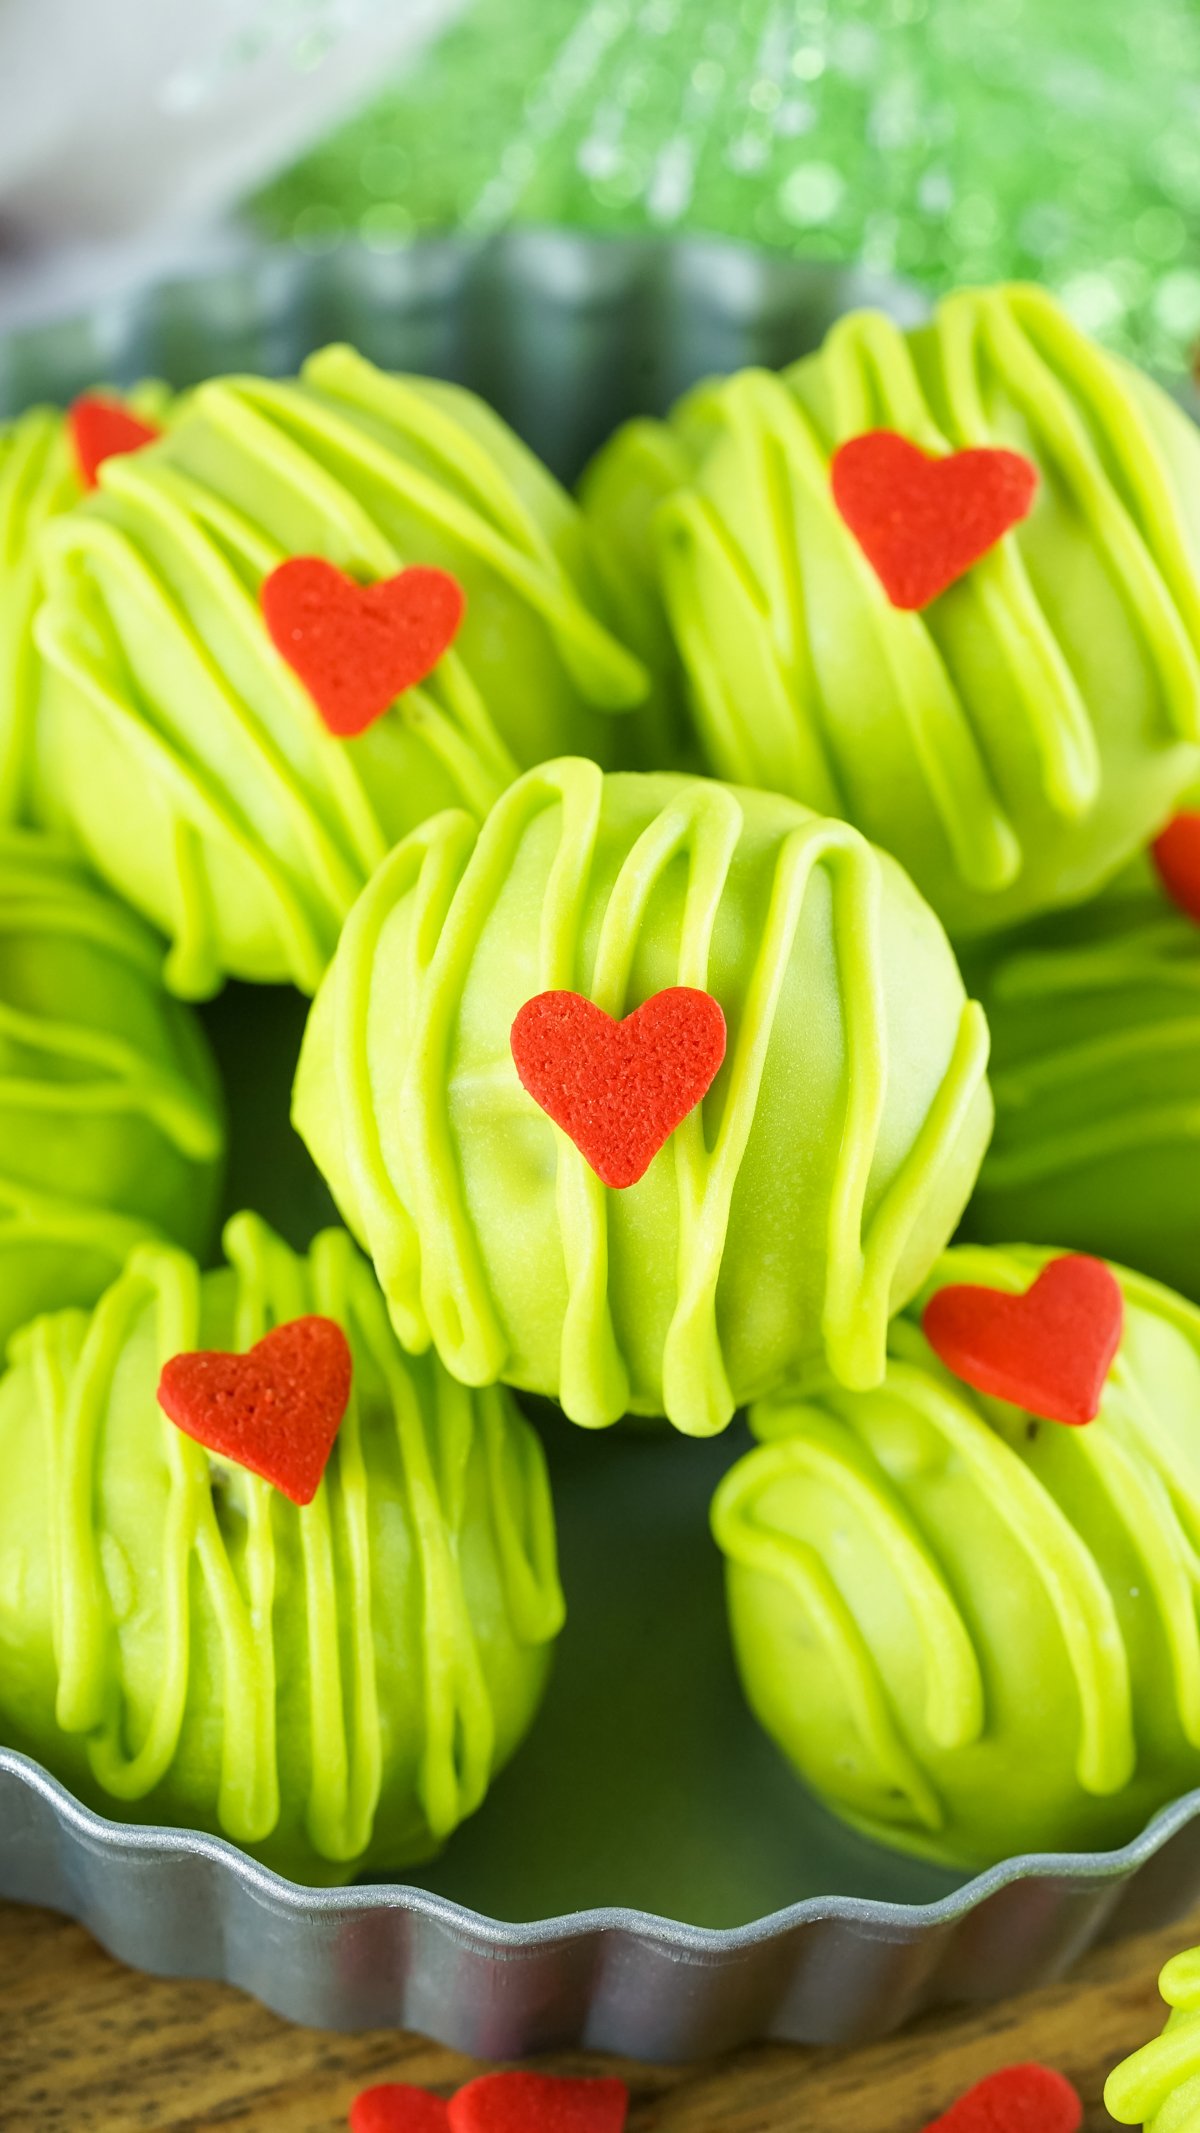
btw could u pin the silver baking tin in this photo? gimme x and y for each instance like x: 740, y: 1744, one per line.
x: 829, y: 1971
x: 645, y: 1795
x: 566, y: 335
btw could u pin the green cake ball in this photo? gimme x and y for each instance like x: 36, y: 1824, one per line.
x: 1159, y: 2086
x: 329, y: 1687
x: 189, y: 758
x: 39, y: 480
x: 1018, y: 737
x: 111, y: 1124
x: 1095, y: 1020
x: 787, y: 1216
x: 974, y: 1631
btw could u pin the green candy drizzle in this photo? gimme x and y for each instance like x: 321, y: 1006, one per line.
x: 37, y: 482
x: 58, y: 1067
x: 1159, y: 2086
x: 1142, y: 970
x: 152, y: 627
x: 405, y: 1185
x: 954, y: 1687
x: 1150, y: 1496
x: 798, y: 665
x: 436, y: 1423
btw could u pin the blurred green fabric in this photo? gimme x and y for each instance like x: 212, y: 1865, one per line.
x: 947, y: 140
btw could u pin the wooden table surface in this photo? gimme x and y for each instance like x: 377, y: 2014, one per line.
x: 88, y: 2046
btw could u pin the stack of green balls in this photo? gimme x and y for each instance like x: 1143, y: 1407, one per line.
x: 963, y: 1568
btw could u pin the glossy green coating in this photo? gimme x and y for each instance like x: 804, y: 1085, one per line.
x: 975, y: 1633
x: 38, y: 482
x: 181, y: 751
x: 1018, y: 739
x: 328, y: 1687
x: 111, y: 1120
x: 1095, y: 1020
x: 792, y: 1211
x: 1159, y: 2086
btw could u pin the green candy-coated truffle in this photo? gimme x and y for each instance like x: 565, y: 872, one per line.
x: 328, y: 1687
x: 974, y: 1633
x: 38, y: 481
x: 1019, y: 738
x: 181, y: 750
x: 1159, y: 2086
x: 792, y: 1211
x: 1095, y: 1020
x: 111, y: 1124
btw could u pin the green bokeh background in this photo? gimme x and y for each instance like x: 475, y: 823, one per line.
x: 945, y: 140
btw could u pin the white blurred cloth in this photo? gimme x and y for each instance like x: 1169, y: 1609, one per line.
x: 130, y: 128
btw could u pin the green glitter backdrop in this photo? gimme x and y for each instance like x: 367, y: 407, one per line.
x: 946, y: 140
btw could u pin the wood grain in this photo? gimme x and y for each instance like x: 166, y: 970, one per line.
x: 89, y: 2047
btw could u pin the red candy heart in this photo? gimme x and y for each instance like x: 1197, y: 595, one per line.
x: 1019, y: 2099
x: 102, y: 429
x: 922, y: 521
x: 536, y: 2103
x: 1176, y: 854
x: 619, y: 1089
x: 394, y: 2107
x: 276, y: 1410
x: 1047, y: 1351
x: 356, y: 647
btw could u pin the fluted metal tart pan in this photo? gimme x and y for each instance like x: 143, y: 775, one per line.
x: 646, y: 1877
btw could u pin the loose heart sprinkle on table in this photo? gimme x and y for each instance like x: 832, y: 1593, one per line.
x: 1048, y: 1350
x: 538, y: 2103
x: 102, y: 429
x: 923, y: 521
x: 275, y: 1410
x: 1017, y: 2099
x: 619, y: 1089
x: 495, y: 2103
x: 356, y: 648
x: 394, y: 2107
x: 1176, y: 854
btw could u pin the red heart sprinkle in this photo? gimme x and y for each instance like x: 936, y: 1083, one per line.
x: 922, y: 521
x: 394, y: 2107
x: 1047, y: 1351
x: 357, y: 647
x: 276, y: 1410
x: 102, y: 429
x: 1176, y: 854
x: 619, y: 1089
x: 537, y: 2103
x: 1018, y: 2099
